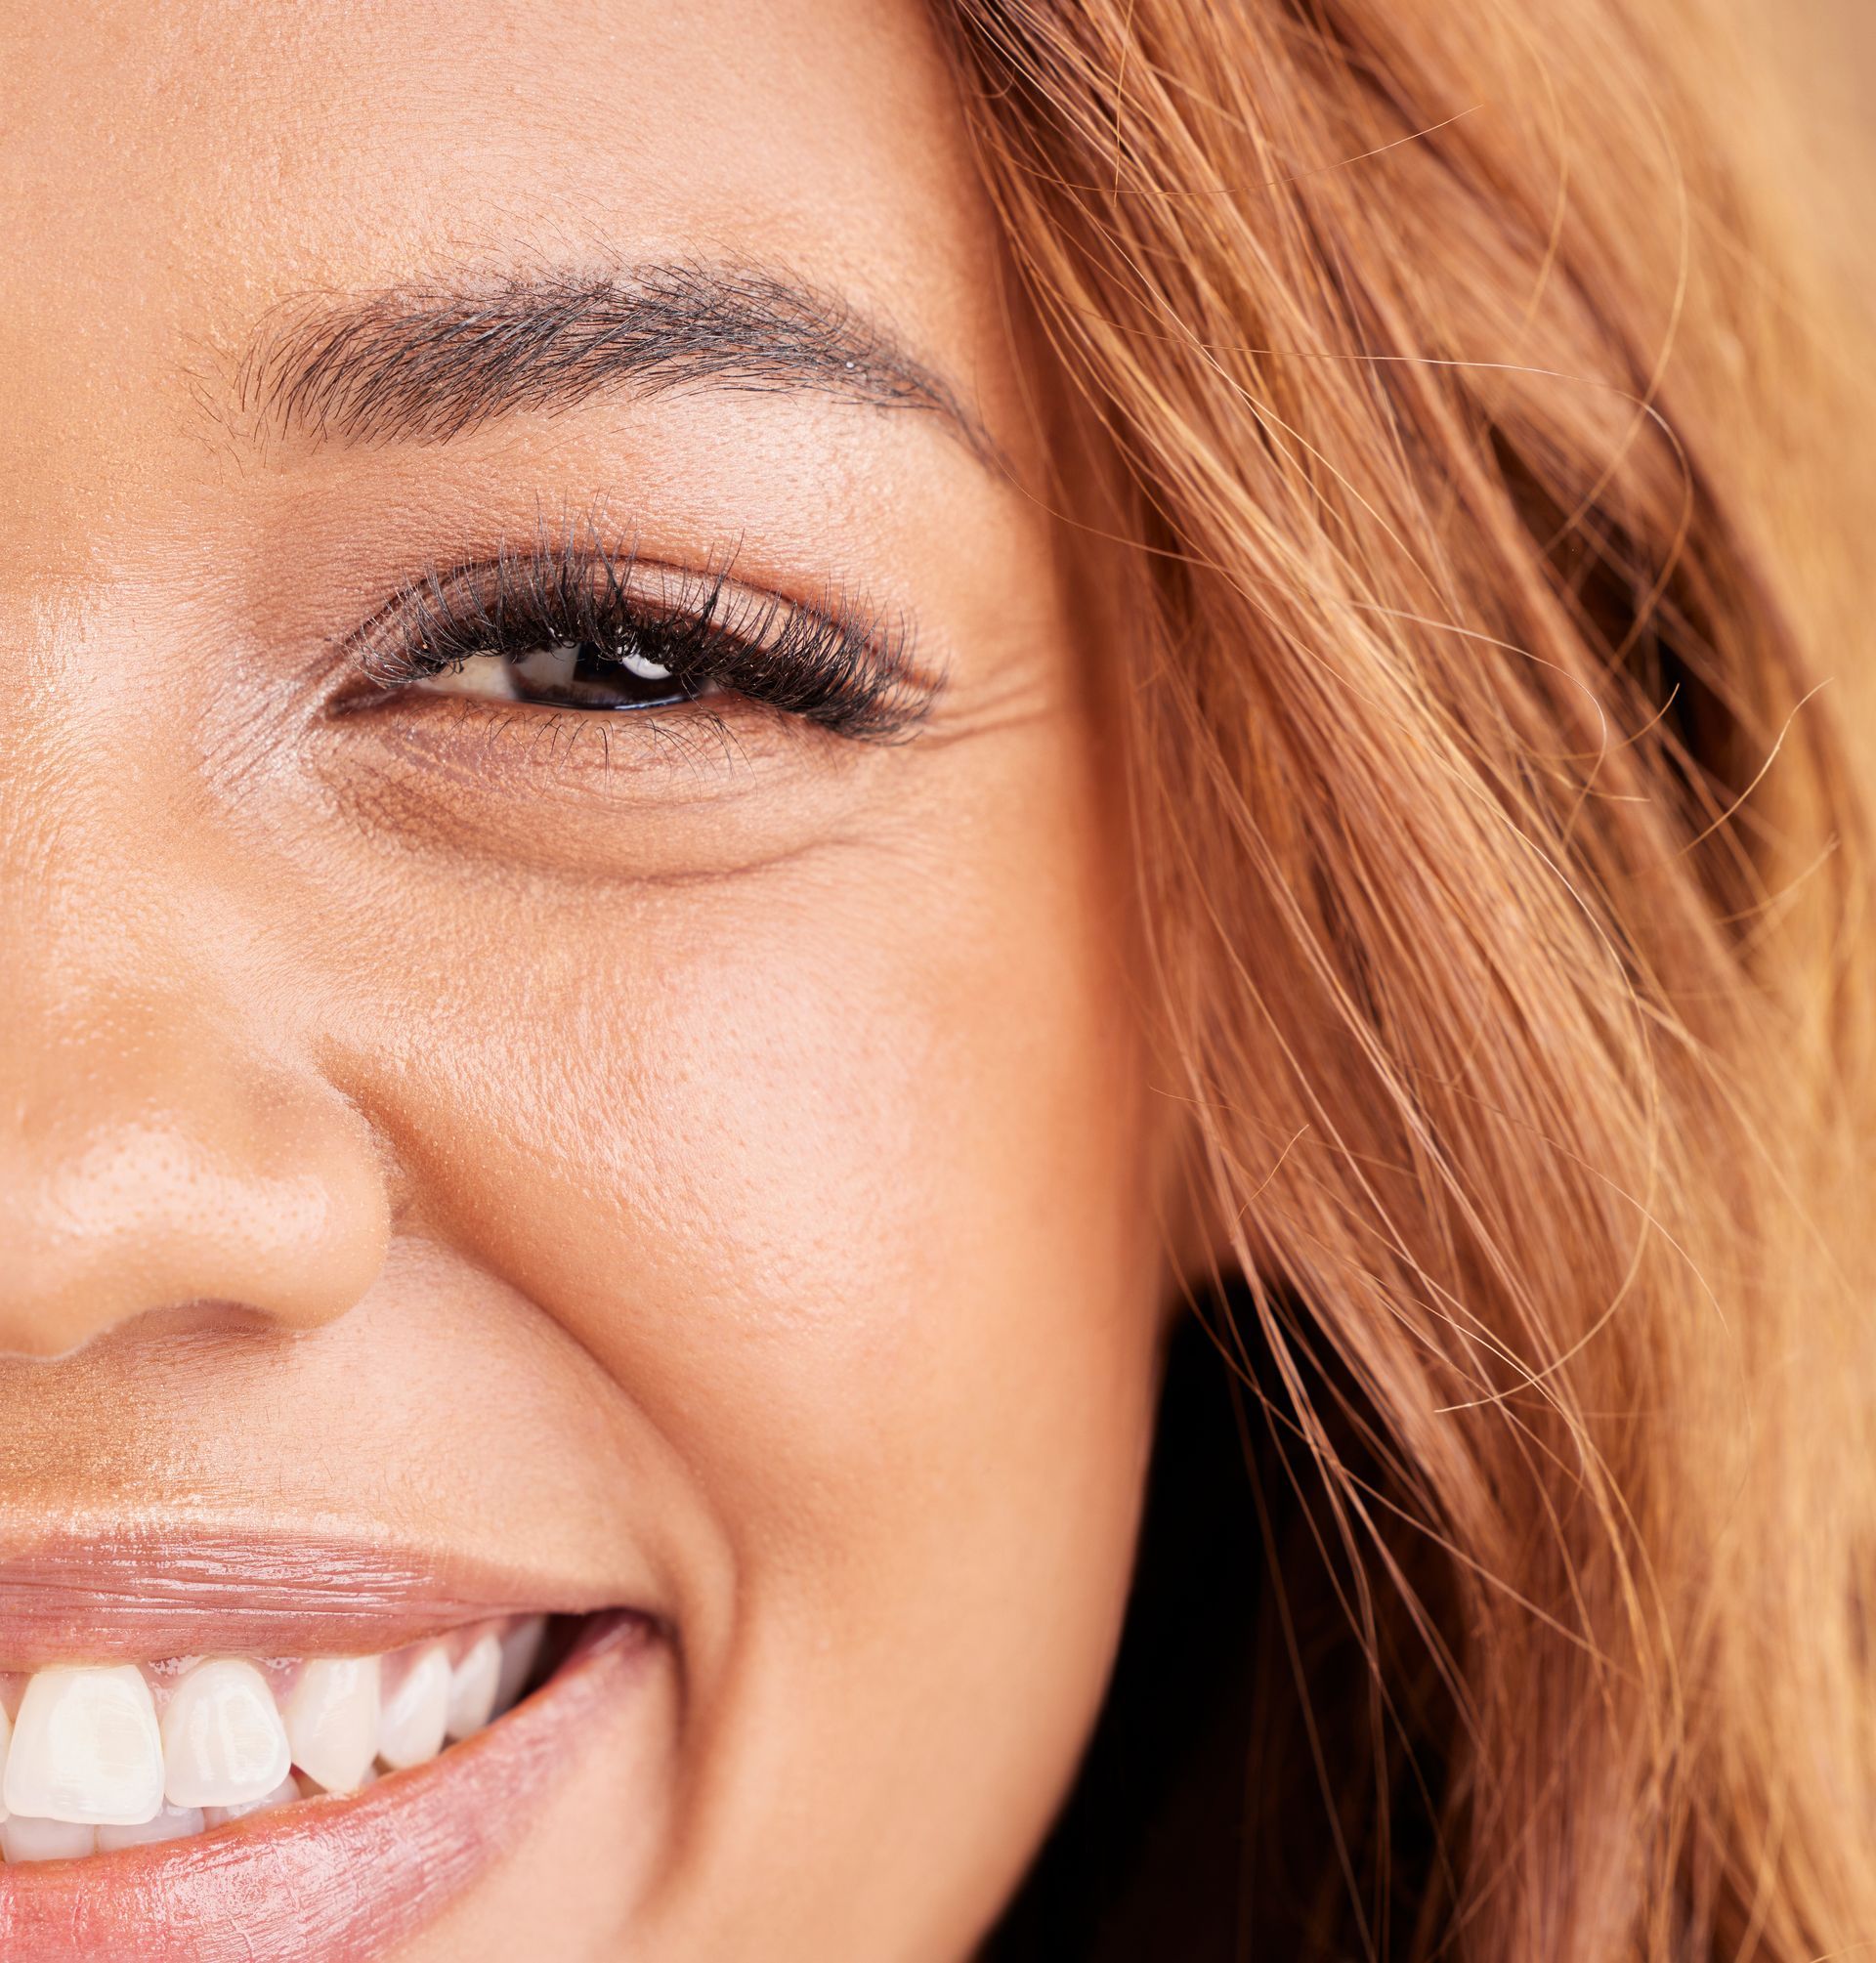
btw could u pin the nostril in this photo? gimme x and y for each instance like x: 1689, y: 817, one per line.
x: 206, y: 1316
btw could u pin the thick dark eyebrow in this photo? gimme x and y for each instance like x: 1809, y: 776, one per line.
x: 425, y: 366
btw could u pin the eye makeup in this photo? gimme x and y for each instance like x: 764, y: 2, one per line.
x: 577, y: 626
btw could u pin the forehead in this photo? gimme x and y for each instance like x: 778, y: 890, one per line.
x: 171, y: 173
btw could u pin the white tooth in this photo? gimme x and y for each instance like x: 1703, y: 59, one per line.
x: 473, y: 1684
x: 284, y: 1794
x: 332, y: 1720
x: 172, y: 1823
x: 519, y: 1649
x: 410, y: 1725
x: 6, y: 1738
x: 86, y: 1749
x: 24, y: 1839
x: 222, y: 1739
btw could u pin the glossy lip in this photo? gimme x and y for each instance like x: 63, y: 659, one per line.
x: 137, y: 1595
x: 339, y: 1880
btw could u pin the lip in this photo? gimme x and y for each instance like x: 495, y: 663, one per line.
x: 342, y: 1880
x: 133, y: 1597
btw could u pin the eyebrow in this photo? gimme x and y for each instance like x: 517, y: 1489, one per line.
x: 425, y: 367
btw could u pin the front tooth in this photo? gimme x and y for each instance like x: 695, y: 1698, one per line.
x: 24, y: 1839
x: 332, y: 1720
x: 172, y: 1823
x: 6, y: 1738
x: 411, y: 1725
x: 86, y: 1749
x: 519, y: 1649
x: 222, y: 1739
x: 284, y: 1794
x: 473, y: 1684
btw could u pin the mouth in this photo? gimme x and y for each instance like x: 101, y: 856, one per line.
x: 311, y: 1762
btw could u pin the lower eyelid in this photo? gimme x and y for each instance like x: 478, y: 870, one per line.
x: 641, y: 799
x: 689, y: 742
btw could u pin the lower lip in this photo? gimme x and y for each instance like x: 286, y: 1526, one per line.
x: 337, y: 1880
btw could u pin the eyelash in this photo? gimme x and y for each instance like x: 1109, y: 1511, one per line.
x: 826, y: 666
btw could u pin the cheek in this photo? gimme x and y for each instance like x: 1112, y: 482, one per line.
x: 841, y: 1170
x: 838, y: 1169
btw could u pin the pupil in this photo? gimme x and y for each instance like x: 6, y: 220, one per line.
x: 584, y: 674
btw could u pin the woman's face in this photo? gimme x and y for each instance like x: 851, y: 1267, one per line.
x: 569, y: 1039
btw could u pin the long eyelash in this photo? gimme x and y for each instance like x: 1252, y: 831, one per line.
x: 829, y: 664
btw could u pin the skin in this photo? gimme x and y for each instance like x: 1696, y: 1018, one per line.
x: 721, y: 1178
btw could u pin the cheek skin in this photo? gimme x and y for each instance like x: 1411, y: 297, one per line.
x: 842, y: 1174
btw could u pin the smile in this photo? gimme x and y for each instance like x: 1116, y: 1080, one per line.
x: 107, y: 1755
x: 233, y: 1802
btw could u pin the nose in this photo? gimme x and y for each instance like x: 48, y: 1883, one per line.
x: 171, y: 1136
x: 158, y: 1153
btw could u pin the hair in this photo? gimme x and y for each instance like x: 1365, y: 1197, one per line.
x: 1478, y: 490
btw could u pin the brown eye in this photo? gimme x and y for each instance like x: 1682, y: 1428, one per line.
x: 561, y: 631
x: 565, y: 674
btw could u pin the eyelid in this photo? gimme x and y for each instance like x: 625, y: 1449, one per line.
x: 832, y: 664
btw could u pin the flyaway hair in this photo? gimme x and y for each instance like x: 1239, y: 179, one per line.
x: 1484, y: 475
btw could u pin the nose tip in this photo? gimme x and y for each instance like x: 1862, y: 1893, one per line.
x: 174, y: 1173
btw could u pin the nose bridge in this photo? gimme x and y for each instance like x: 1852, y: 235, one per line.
x: 163, y: 1138
x: 166, y: 1135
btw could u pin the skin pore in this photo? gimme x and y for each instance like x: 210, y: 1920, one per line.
x: 690, y: 1158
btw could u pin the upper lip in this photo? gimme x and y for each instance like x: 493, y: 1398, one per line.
x: 140, y: 1594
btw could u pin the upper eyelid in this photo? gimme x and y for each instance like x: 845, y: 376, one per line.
x: 478, y: 597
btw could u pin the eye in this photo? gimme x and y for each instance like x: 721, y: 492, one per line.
x: 567, y: 674
x: 560, y: 628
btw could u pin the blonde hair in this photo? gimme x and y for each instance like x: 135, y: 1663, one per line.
x: 1480, y: 492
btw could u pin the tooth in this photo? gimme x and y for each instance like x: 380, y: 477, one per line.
x: 86, y: 1749
x: 410, y: 1726
x: 520, y: 1648
x: 332, y: 1720
x: 473, y: 1684
x: 284, y: 1794
x: 222, y: 1739
x: 172, y: 1823
x: 24, y: 1839
x: 6, y: 1738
